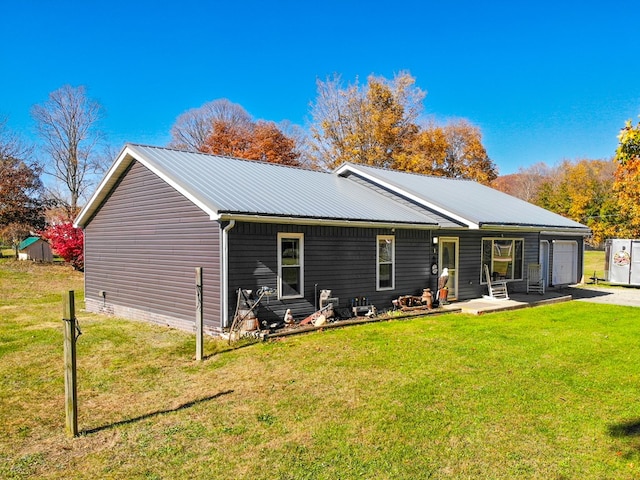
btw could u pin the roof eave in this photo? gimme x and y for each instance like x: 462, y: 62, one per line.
x: 544, y: 229
x: 335, y: 222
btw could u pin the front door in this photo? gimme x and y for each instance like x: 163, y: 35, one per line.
x: 448, y: 258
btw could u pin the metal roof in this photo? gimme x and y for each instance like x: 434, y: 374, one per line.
x: 227, y: 187
x: 27, y: 242
x: 470, y: 202
x: 230, y: 188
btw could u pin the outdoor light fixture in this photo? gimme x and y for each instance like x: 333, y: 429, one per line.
x: 435, y: 240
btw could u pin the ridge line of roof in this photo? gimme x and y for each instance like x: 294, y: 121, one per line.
x: 228, y: 157
x: 404, y: 172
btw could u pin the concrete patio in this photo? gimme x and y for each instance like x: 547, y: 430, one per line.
x: 613, y: 295
x: 478, y: 306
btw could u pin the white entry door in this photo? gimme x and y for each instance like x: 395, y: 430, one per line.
x: 448, y: 258
x: 565, y: 262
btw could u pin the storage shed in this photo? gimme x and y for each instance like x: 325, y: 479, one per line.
x: 36, y: 249
x: 361, y: 232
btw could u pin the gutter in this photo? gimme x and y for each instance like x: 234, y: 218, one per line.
x: 542, y: 229
x: 241, y: 217
x: 225, y: 273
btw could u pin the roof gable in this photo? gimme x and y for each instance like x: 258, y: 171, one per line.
x: 469, y: 202
x: 225, y: 187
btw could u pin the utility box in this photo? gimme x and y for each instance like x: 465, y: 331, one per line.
x: 622, y: 261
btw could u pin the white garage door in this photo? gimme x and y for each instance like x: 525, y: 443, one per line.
x: 565, y: 262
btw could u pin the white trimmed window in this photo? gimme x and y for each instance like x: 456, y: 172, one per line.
x: 504, y: 257
x: 386, y: 256
x: 290, y: 265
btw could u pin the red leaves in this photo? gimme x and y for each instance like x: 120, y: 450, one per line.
x: 67, y: 242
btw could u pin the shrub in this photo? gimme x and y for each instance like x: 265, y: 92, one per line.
x: 67, y: 242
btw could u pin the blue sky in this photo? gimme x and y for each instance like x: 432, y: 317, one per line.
x: 545, y: 81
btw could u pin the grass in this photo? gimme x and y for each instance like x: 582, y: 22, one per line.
x: 593, y: 262
x: 549, y: 392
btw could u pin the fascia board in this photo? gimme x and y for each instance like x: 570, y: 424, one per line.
x: 418, y: 199
x: 128, y: 154
x: 123, y: 160
x: 179, y: 187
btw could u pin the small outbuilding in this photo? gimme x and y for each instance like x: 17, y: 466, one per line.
x: 367, y: 234
x: 36, y: 249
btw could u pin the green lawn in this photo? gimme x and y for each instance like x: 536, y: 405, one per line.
x: 549, y: 392
x: 593, y: 262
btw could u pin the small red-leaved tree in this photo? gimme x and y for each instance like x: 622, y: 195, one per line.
x: 67, y: 242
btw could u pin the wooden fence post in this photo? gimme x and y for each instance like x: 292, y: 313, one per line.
x: 199, y: 316
x: 70, y: 378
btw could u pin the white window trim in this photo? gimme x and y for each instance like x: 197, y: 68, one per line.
x: 513, y: 239
x: 393, y: 262
x: 300, y: 237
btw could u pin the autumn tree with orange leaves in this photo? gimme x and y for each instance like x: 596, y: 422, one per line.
x: 379, y: 124
x: 221, y: 127
x: 627, y: 179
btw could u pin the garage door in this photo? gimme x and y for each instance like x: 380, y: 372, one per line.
x: 565, y: 262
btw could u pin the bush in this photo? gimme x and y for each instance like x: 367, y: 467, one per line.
x: 67, y: 242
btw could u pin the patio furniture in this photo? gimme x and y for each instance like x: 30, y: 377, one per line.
x: 497, y: 289
x: 535, y: 282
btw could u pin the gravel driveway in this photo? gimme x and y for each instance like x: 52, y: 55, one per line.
x: 629, y: 296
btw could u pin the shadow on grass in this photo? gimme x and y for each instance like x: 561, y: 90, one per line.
x: 626, y: 429
x: 155, y: 414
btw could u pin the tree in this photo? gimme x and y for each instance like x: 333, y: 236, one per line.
x: 21, y: 207
x: 370, y: 124
x: 192, y: 128
x: 67, y: 241
x: 262, y: 141
x: 627, y: 180
x: 67, y: 123
x: 582, y: 190
x: 377, y: 124
x: 524, y: 184
x: 224, y: 128
x: 466, y: 156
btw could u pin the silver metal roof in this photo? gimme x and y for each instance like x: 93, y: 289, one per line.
x: 470, y: 202
x: 227, y: 187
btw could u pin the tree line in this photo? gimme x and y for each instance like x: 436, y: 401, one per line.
x: 602, y: 194
x: 379, y: 122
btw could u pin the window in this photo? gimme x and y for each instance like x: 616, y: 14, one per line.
x: 290, y: 265
x: 386, y: 260
x: 504, y: 257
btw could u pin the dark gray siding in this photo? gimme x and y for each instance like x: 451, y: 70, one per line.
x: 470, y: 259
x: 335, y: 258
x: 142, y: 247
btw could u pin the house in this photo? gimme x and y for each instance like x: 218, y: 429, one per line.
x: 35, y: 248
x: 367, y: 234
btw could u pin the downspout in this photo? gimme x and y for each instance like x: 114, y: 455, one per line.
x: 225, y: 273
